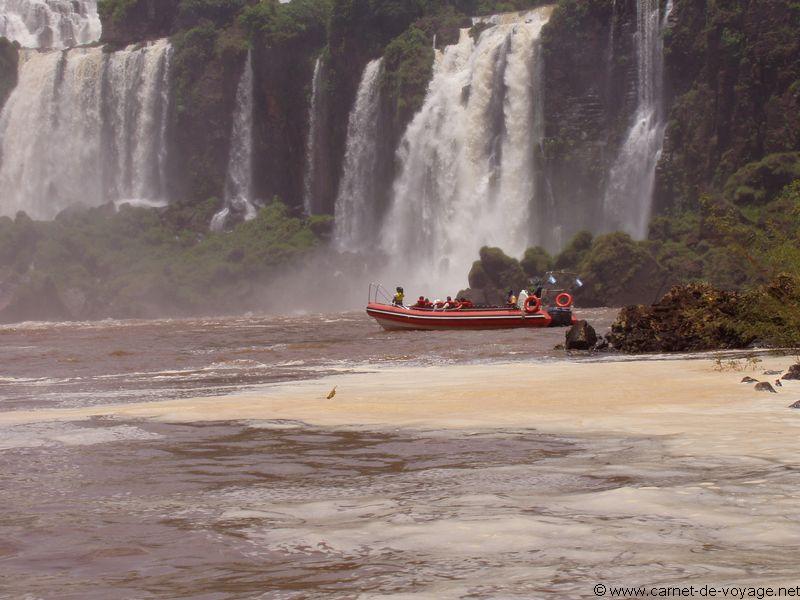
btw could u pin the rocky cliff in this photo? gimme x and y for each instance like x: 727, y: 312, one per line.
x: 590, y: 96
x: 8, y: 68
x: 733, y: 73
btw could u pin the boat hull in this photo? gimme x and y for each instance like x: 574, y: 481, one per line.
x: 397, y: 318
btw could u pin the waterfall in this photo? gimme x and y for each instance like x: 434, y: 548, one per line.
x: 315, y: 123
x: 356, y: 216
x: 628, y: 199
x: 467, y: 170
x: 50, y: 23
x: 239, y: 181
x: 84, y: 126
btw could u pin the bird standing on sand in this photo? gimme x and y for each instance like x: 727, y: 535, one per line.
x: 331, y: 394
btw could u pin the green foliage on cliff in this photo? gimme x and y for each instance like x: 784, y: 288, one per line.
x: 734, y: 71
x: 275, y: 24
x: 407, y: 69
x: 8, y: 68
x: 535, y: 262
x: 134, y: 263
x: 116, y: 12
x: 206, y: 65
x: 760, y: 182
x: 131, y: 21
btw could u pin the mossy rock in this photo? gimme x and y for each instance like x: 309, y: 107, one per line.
x: 761, y: 181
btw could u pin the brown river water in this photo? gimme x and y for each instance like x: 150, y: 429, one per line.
x: 107, y: 508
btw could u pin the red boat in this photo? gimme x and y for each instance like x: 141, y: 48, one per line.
x: 531, y: 314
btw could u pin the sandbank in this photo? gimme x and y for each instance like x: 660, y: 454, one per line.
x: 689, y: 399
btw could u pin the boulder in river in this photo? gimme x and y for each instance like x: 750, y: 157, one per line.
x: 794, y: 372
x: 581, y: 336
x: 749, y: 380
x: 795, y: 405
x: 765, y: 386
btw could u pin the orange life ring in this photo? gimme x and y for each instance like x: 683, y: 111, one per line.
x: 564, y: 300
x: 532, y: 304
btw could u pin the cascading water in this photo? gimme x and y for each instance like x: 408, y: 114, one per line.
x: 467, y: 176
x: 50, y: 23
x: 315, y: 122
x: 628, y: 199
x: 86, y: 127
x: 239, y: 181
x: 356, y: 218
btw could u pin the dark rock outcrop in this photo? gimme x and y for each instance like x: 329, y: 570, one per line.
x: 795, y: 405
x: 794, y: 372
x: 688, y: 318
x: 9, y: 57
x: 749, y: 380
x: 581, y: 336
x: 206, y: 66
x: 765, y: 386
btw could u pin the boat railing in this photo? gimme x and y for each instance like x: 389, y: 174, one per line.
x: 376, y: 290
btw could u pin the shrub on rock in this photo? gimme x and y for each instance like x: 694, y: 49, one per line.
x: 688, y: 318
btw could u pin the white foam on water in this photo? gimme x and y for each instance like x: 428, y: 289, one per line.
x: 66, y: 434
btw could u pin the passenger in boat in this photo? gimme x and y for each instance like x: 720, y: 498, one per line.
x: 466, y: 303
x: 511, y: 300
x: 428, y: 303
x: 420, y: 303
x: 398, y: 297
x: 449, y: 303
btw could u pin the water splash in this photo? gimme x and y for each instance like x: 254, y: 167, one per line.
x: 356, y: 215
x: 86, y: 127
x: 467, y: 175
x: 239, y: 181
x: 50, y: 23
x: 629, y: 195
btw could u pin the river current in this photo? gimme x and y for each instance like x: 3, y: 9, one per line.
x: 110, y: 508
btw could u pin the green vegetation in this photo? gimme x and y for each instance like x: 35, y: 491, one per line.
x: 116, y: 12
x: 276, y: 24
x: 131, y: 21
x: 407, y: 69
x: 136, y: 262
x: 734, y: 72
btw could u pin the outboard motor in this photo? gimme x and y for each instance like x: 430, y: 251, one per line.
x: 562, y: 317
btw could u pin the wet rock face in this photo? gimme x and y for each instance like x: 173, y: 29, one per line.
x: 8, y: 69
x: 794, y: 372
x: 795, y: 405
x: 688, y: 318
x: 590, y: 75
x: 765, y: 386
x: 581, y: 336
